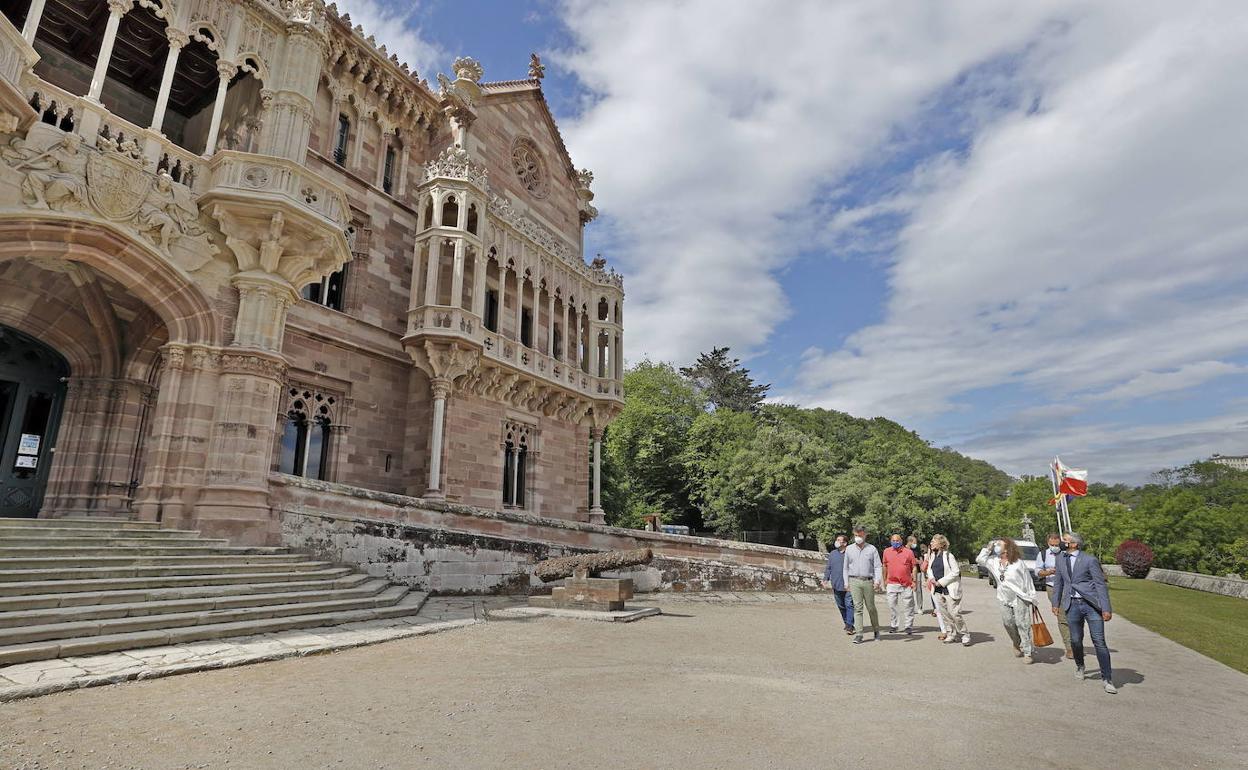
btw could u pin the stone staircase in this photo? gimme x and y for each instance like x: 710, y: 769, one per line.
x: 85, y: 586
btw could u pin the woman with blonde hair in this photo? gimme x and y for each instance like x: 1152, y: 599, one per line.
x: 944, y: 581
x: 1015, y: 590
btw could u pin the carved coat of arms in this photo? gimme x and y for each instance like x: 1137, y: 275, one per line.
x: 117, y: 185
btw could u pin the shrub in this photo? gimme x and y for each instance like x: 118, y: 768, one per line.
x: 1135, y: 558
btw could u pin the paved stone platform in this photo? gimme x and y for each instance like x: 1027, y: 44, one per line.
x: 25, y: 680
x: 716, y: 681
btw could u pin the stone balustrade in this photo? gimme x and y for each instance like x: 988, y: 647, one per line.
x: 262, y: 177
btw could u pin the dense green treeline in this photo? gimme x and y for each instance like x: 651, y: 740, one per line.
x: 699, y: 447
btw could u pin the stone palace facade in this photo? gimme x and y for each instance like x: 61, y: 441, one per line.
x: 238, y: 239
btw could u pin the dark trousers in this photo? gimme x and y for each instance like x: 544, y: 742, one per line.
x: 845, y: 604
x: 1079, y: 612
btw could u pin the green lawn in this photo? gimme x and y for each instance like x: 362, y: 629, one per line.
x: 1211, y: 624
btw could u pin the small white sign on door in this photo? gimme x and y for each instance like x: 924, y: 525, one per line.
x: 29, y: 445
x: 26, y: 461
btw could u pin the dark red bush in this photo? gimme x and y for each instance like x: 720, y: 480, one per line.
x: 1135, y: 558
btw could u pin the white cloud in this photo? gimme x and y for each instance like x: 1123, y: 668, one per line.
x: 715, y: 123
x: 396, y: 27
x: 1156, y: 383
x: 1098, y: 238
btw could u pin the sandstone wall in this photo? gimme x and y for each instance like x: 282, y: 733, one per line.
x: 450, y: 549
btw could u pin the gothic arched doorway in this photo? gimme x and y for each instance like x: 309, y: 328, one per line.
x: 32, y: 392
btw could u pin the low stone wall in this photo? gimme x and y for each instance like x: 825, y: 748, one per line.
x: 1227, y: 586
x: 449, y: 549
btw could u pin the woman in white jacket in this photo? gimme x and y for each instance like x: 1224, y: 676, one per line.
x: 944, y: 580
x: 1015, y: 590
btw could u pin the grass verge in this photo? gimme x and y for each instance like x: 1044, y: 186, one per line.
x: 1210, y: 624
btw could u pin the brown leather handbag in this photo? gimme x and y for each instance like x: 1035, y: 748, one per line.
x: 1040, y: 636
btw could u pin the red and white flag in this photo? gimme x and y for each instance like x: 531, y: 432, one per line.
x: 1071, y: 481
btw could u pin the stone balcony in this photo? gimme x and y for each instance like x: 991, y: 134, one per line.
x: 453, y: 325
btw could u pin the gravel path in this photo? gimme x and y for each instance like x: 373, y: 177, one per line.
x: 710, y: 684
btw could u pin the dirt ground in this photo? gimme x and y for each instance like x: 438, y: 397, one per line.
x: 704, y: 686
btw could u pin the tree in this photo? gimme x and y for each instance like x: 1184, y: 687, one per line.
x: 646, y: 442
x: 724, y: 382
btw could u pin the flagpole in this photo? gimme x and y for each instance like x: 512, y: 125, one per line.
x: 1061, y: 529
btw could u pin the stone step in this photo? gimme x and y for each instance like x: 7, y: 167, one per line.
x: 28, y: 552
x: 90, y: 562
x: 129, y: 625
x: 141, y: 571
x: 89, y: 645
x: 100, y: 537
x: 90, y: 598
x: 157, y: 609
x: 34, y: 587
x: 72, y: 530
x: 91, y: 521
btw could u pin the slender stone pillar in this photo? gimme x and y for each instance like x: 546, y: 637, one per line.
x: 441, y: 389
x: 33, y: 17
x: 457, y: 275
x: 519, y: 303
x: 225, y: 71
x: 502, y: 298
x: 550, y: 323
x: 177, y: 41
x: 432, y: 269
x: 479, y: 267
x: 596, y: 514
x: 116, y: 9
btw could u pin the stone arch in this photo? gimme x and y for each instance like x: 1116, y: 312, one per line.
x: 181, y: 305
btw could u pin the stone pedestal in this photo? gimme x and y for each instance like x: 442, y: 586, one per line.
x: 582, y: 592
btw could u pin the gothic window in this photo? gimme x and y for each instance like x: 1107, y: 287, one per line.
x: 306, y: 436
x: 603, y: 309
x: 340, y: 140
x: 472, y: 219
x: 557, y: 352
x: 526, y: 327
x: 428, y: 216
x: 328, y: 292
x: 450, y: 212
x: 491, y: 310
x: 516, y: 445
x: 387, y: 176
x: 528, y: 165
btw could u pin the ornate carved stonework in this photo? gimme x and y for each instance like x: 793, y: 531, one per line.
x: 467, y: 68
x: 454, y: 163
x: 61, y: 174
x: 529, y: 166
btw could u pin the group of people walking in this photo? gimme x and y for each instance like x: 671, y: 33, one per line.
x: 1075, y: 583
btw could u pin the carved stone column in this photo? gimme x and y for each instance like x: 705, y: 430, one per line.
x: 288, y: 125
x: 33, y: 17
x: 116, y: 9
x: 443, y: 362
x: 177, y: 41
x: 596, y: 514
x: 225, y: 73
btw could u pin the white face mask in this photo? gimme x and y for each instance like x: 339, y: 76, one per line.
x: 996, y: 549
x: 840, y: 544
x: 859, y: 540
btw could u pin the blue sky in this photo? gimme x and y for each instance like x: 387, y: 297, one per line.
x: 1018, y: 229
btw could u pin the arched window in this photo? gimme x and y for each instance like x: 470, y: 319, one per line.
x: 450, y: 212
x: 515, y: 464
x: 340, y: 140
x: 603, y: 309
x: 305, y: 437
x: 472, y: 219
x: 428, y: 212
x: 387, y: 174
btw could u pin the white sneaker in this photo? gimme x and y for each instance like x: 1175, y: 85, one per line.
x: 1109, y: 688
x: 966, y: 640
x: 1079, y: 674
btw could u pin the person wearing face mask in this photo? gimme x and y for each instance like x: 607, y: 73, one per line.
x: 899, y: 567
x: 1081, y: 592
x: 1015, y: 590
x: 863, y: 575
x: 1046, y: 568
x: 834, y: 578
x: 912, y: 543
x: 944, y: 580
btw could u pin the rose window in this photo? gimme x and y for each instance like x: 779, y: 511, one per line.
x: 529, y: 168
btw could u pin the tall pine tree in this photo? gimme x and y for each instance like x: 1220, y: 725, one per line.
x: 724, y: 382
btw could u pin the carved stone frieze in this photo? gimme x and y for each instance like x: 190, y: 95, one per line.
x: 454, y: 163
x: 60, y: 173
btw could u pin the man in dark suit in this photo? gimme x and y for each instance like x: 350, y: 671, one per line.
x: 1081, y: 592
